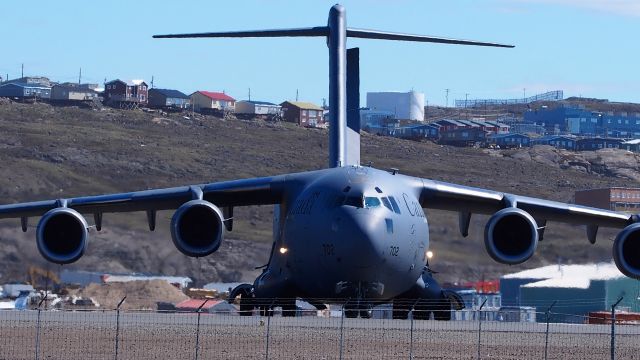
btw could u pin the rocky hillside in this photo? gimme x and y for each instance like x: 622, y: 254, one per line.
x: 53, y: 152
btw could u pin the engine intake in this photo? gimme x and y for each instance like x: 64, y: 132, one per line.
x: 62, y: 235
x: 626, y: 251
x: 511, y: 236
x: 197, y: 228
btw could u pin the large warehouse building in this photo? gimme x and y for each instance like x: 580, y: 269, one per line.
x: 576, y: 289
x: 404, y: 106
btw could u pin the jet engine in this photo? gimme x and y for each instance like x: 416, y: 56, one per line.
x: 62, y: 235
x: 626, y: 251
x: 511, y: 236
x: 197, y: 228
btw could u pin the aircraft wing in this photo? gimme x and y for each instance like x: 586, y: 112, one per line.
x: 257, y: 191
x: 446, y: 196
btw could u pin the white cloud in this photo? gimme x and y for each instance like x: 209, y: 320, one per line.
x: 619, y: 7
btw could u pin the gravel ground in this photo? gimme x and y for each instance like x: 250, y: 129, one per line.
x: 91, y: 335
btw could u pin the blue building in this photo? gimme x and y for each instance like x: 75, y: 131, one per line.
x: 557, y: 141
x: 25, y: 91
x: 507, y: 141
x: 577, y: 120
x: 592, y: 144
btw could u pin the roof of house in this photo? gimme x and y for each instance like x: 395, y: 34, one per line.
x: 632, y: 142
x: 304, y: 105
x: 128, y: 82
x: 25, y: 85
x: 553, y: 137
x: 567, y: 276
x: 259, y: 102
x: 500, y: 136
x: 196, y: 303
x: 170, y: 93
x: 74, y: 88
x: 216, y: 95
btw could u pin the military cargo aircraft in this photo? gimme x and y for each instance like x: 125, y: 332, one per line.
x: 346, y: 233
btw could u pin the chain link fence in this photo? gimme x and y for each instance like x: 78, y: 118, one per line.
x: 138, y: 335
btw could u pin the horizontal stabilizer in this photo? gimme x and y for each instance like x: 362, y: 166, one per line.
x: 312, y: 31
x: 384, y: 35
x: 324, y: 31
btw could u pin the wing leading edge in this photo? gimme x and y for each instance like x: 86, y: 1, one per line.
x: 257, y: 191
x: 447, y: 196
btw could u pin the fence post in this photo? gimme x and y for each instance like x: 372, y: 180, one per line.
x: 118, y: 325
x: 199, y: 310
x: 411, y: 331
x: 38, y: 325
x: 269, y: 313
x: 341, y: 330
x: 613, y: 328
x: 546, y: 334
x: 480, y: 326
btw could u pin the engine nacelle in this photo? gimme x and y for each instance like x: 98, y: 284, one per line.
x: 62, y: 235
x: 511, y: 236
x: 626, y: 251
x: 197, y: 228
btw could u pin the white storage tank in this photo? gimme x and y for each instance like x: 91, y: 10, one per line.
x: 405, y: 105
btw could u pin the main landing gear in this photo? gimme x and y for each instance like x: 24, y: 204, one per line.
x: 354, y: 309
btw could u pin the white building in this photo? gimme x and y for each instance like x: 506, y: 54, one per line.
x: 404, y: 105
x: 257, y: 108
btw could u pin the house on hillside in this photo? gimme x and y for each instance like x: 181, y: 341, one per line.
x: 258, y: 109
x: 415, y: 132
x: 126, y: 94
x: 72, y: 93
x: 168, y: 99
x: 592, y: 144
x: 303, y: 113
x: 508, y: 141
x: 470, y: 136
x: 631, y: 145
x: 25, y: 91
x: 560, y: 142
x: 205, y: 101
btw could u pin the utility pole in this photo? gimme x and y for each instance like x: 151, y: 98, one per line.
x: 80, y: 77
x: 22, y: 71
x: 447, y: 97
x: 524, y: 94
x: 296, y: 94
x: 466, y: 97
x: 249, y: 94
x: 152, y: 81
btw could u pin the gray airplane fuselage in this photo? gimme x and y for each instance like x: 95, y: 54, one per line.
x: 347, y: 232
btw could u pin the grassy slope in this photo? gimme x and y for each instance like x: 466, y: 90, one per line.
x: 52, y: 152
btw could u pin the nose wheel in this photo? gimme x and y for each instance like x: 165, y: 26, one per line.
x: 354, y: 309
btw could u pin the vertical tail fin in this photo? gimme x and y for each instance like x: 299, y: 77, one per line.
x: 352, y: 137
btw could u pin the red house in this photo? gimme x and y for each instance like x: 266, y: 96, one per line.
x: 126, y: 94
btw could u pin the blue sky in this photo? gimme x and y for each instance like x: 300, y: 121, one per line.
x: 584, y: 47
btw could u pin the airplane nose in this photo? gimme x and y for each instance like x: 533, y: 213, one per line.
x: 360, y: 246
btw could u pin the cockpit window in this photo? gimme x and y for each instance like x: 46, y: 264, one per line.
x: 354, y: 201
x: 394, y: 204
x: 371, y: 202
x: 387, y: 204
